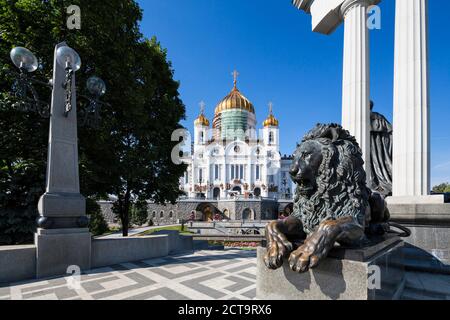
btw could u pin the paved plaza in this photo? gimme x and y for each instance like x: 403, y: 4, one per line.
x: 204, y: 275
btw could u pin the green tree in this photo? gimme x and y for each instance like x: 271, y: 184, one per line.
x: 129, y: 154
x: 97, y: 223
x: 139, y: 213
x: 442, y: 188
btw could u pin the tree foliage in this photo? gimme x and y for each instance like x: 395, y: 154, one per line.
x: 129, y: 154
x: 139, y: 213
x: 442, y: 188
x: 97, y: 222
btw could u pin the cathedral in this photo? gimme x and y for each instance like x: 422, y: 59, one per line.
x: 233, y: 159
x: 235, y: 171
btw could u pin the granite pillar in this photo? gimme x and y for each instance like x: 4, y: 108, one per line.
x: 62, y: 238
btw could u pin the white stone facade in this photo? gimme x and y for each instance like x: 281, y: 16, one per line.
x: 245, y: 164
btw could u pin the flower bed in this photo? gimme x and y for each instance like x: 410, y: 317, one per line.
x: 236, y: 244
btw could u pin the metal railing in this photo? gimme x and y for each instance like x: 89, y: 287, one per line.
x: 221, y: 228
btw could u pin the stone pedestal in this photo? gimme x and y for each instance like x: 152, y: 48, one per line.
x: 420, y: 210
x: 431, y: 199
x: 58, y: 249
x: 345, y: 275
x: 411, y: 148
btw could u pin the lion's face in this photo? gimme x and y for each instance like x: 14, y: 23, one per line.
x: 305, y: 167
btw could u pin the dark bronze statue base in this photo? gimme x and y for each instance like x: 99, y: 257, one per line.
x: 375, y: 272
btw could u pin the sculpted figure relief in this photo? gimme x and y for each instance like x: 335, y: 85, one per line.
x: 332, y: 202
x: 380, y: 153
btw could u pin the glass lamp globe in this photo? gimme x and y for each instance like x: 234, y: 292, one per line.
x: 67, y: 57
x: 96, y: 86
x: 24, y: 59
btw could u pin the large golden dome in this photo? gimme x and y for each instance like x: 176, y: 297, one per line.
x: 234, y: 100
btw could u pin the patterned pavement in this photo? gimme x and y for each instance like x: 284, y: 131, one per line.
x: 204, y: 275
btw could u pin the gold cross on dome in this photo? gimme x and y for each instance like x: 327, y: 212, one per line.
x: 202, y: 105
x: 270, y: 107
x: 235, y: 76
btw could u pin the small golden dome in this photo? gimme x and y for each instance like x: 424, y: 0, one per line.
x: 271, y: 121
x: 202, y: 120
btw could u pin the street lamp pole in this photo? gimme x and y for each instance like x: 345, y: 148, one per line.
x: 284, y: 187
x: 63, y: 238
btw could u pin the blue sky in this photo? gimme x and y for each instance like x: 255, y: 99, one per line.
x: 279, y: 59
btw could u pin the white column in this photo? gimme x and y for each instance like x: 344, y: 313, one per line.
x: 223, y: 179
x: 411, y: 149
x: 355, y: 86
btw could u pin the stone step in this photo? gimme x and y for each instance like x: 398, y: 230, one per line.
x: 426, y: 286
x: 421, y: 255
x: 416, y: 252
x: 412, y: 294
x: 417, y: 260
x: 426, y: 267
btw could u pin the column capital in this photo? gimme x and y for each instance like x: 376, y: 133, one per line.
x: 349, y: 4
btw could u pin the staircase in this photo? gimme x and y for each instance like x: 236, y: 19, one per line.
x: 427, y: 278
x: 221, y: 228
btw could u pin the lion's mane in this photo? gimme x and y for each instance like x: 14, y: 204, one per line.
x: 341, y: 181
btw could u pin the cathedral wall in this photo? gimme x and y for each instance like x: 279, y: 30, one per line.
x: 163, y: 214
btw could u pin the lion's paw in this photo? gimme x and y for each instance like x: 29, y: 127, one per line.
x: 276, y: 251
x: 303, y: 259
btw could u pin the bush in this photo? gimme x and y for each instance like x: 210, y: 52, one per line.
x: 97, y: 223
x: 19, y: 195
x: 442, y: 188
x: 139, y: 214
x: 17, y: 225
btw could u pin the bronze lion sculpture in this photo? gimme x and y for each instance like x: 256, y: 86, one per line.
x: 332, y: 203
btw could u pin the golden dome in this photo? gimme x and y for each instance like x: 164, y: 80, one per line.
x: 202, y: 120
x: 271, y: 121
x: 235, y: 100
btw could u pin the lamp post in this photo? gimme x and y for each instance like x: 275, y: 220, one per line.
x: 96, y: 88
x: 62, y: 238
x: 22, y: 88
x: 284, y: 187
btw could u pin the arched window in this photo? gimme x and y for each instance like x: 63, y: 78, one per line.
x: 161, y: 214
x: 247, y: 214
x: 216, y: 193
x: 271, y: 140
x: 171, y: 214
x: 154, y: 214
